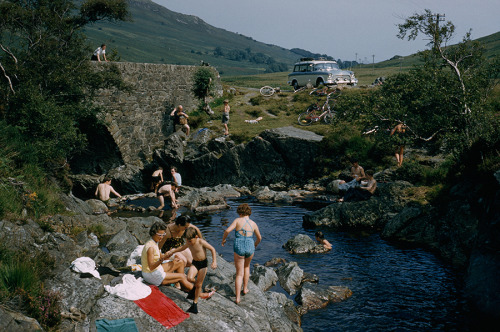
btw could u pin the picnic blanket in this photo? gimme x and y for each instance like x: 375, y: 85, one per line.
x: 161, y: 308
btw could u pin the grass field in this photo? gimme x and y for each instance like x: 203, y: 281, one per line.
x: 365, y: 74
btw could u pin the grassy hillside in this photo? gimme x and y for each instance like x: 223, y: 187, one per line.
x: 158, y: 35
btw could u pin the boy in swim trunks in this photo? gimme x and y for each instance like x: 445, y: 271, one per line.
x: 198, y: 248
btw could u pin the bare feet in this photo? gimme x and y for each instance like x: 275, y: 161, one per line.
x: 245, y: 292
x: 207, y: 296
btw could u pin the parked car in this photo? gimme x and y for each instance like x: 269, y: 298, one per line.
x: 318, y: 72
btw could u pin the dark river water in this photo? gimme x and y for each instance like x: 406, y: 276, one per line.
x: 394, y: 288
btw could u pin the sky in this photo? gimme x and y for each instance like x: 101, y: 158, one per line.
x: 344, y: 29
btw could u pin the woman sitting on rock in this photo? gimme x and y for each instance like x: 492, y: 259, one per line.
x: 155, y: 270
x: 174, y: 238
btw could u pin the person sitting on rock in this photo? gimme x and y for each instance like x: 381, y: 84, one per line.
x: 180, y: 119
x: 104, y: 189
x: 357, y: 172
x: 176, y: 178
x: 364, y: 192
x: 320, y: 238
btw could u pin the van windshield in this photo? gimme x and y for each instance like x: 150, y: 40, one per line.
x: 326, y: 66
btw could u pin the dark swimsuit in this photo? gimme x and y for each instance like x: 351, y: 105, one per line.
x: 200, y: 264
x: 172, y: 242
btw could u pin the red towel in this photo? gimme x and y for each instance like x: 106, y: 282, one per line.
x: 161, y: 308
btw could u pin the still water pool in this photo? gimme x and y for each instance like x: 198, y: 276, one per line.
x: 394, y: 288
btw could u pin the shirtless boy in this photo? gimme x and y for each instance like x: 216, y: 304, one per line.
x: 167, y: 189
x: 198, y: 248
x: 104, y: 189
x: 320, y: 238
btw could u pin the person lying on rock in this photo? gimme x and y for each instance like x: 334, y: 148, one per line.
x: 320, y: 238
x: 167, y: 189
x: 198, y: 268
x: 364, y: 192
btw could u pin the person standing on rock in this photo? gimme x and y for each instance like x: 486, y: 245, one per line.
x: 104, y: 189
x: 244, y: 247
x: 225, y: 117
x: 399, y: 136
x: 198, y: 269
x: 156, y: 179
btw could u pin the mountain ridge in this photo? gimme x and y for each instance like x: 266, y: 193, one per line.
x: 160, y: 35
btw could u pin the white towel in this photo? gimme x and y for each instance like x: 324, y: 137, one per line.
x: 85, y: 265
x: 135, y: 256
x: 130, y: 288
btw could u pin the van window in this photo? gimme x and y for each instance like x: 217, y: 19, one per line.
x: 326, y: 66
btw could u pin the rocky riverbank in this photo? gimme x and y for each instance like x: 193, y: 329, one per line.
x: 463, y: 229
x: 89, y: 231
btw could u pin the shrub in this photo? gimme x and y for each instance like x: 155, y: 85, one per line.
x: 16, y: 275
x: 45, y: 307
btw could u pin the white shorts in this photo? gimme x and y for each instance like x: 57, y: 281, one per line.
x: 156, y: 277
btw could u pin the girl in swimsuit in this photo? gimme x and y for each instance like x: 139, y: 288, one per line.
x: 244, y: 246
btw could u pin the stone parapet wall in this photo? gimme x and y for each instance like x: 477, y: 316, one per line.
x: 139, y: 119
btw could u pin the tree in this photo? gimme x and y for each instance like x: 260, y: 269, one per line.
x: 203, y: 85
x: 444, y: 97
x: 47, y: 81
x: 467, y: 80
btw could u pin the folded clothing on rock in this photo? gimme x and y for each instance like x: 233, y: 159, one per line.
x: 117, y: 325
x: 85, y: 265
x: 161, y: 308
x: 130, y: 289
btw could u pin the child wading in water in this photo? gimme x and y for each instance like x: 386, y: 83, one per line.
x: 320, y: 238
x: 199, y: 266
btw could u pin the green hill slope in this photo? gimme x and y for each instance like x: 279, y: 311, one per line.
x: 158, y: 35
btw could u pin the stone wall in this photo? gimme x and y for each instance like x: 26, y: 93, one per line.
x: 139, y: 120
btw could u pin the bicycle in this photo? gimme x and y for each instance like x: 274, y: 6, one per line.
x: 268, y: 91
x: 308, y: 117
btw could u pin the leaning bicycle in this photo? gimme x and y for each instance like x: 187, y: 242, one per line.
x: 268, y: 91
x: 315, y: 112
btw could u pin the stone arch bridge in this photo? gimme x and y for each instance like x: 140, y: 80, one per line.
x: 138, y: 121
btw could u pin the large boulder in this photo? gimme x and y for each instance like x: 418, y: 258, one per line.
x: 290, y: 276
x: 263, y: 277
x: 97, y: 206
x: 299, y: 244
x: 389, y: 199
x: 313, y: 296
x: 14, y: 322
